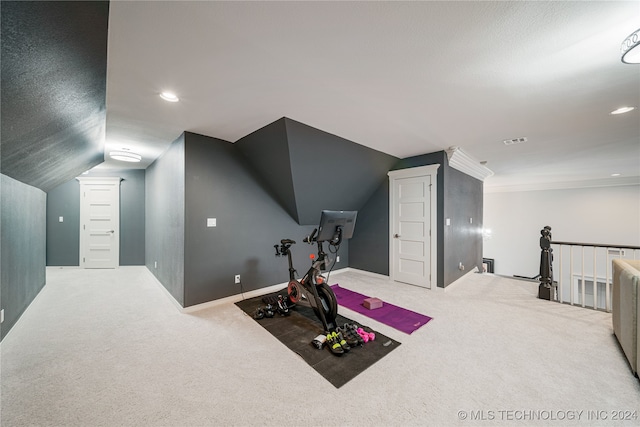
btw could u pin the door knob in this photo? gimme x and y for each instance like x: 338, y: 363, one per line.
x: 111, y: 231
x: 396, y: 235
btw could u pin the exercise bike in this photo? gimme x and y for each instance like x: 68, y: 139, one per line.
x: 312, y: 290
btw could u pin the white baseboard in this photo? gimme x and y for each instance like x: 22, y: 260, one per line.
x: 250, y: 294
x: 366, y: 273
x: 26, y: 309
x: 235, y: 298
x: 454, y: 283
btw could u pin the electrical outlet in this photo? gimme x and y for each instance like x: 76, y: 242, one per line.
x: 237, y: 279
x: 338, y: 258
x: 155, y: 264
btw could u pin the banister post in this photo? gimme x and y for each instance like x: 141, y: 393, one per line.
x: 546, y: 289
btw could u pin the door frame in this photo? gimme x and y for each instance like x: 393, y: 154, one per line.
x: 85, y: 181
x: 432, y: 172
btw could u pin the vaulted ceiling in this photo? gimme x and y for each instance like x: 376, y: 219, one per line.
x: 54, y: 68
x: 403, y: 78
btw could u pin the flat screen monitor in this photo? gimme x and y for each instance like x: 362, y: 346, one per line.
x: 331, y: 220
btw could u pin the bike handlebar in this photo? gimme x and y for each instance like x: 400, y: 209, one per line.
x: 309, y: 238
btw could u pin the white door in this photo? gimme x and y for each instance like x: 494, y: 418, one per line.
x: 413, y: 226
x: 99, y: 222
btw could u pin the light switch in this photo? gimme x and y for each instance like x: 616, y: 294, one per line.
x: 211, y: 222
x: 448, y: 221
x: 60, y: 219
x: 470, y: 220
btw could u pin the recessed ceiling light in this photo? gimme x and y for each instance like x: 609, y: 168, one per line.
x: 125, y: 156
x: 616, y: 174
x: 168, y: 96
x: 622, y: 110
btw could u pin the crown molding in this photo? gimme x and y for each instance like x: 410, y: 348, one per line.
x: 564, y: 185
x: 463, y: 162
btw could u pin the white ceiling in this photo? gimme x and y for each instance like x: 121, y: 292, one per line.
x: 405, y: 78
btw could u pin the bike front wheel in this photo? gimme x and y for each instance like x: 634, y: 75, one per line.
x: 329, y: 303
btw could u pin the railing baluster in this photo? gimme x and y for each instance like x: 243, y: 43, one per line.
x: 579, y: 296
x: 595, y: 280
x: 560, y: 279
x: 571, y: 278
x: 583, y: 287
x: 606, y: 285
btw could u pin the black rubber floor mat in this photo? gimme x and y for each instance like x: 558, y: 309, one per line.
x: 297, y: 330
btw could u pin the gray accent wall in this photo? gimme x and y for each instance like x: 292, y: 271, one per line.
x: 165, y: 218
x: 463, y: 200
x: 330, y: 172
x: 369, y: 247
x: 22, y: 252
x: 267, y: 151
x: 63, y: 238
x: 201, y: 177
x: 309, y: 170
x: 459, y: 198
x: 220, y: 183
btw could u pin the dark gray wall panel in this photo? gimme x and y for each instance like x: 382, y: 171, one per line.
x: 462, y: 239
x: 330, y: 172
x: 369, y: 248
x: 23, y: 252
x: 220, y: 184
x: 132, y: 216
x: 165, y: 219
x: 267, y: 150
x: 459, y: 198
x: 54, y: 65
x: 63, y: 238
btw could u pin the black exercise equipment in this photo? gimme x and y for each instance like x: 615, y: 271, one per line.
x: 312, y: 290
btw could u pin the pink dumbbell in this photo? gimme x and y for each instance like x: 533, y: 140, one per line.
x: 366, y: 336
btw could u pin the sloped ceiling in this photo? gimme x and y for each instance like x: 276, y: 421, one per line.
x: 308, y: 170
x: 54, y: 65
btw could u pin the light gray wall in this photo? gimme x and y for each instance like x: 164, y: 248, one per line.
x: 63, y: 238
x: 605, y: 215
x: 220, y: 184
x: 23, y: 252
x: 165, y: 218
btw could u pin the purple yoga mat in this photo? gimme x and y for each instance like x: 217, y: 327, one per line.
x: 398, y: 318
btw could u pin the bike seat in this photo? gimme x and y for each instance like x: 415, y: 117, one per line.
x: 287, y: 242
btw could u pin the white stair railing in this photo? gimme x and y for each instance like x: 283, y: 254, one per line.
x: 583, y: 274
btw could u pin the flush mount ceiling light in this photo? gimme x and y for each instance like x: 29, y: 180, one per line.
x: 622, y: 110
x: 616, y: 174
x: 125, y: 156
x: 168, y: 96
x: 631, y: 48
x: 463, y: 162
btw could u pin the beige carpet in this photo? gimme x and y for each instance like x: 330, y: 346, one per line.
x: 108, y: 348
